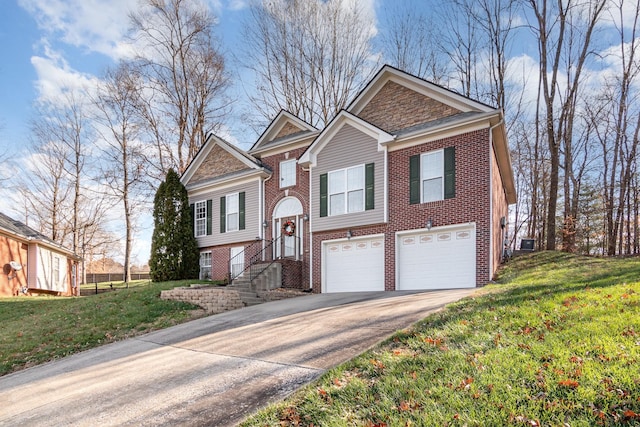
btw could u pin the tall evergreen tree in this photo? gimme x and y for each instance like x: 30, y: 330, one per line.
x: 174, y: 250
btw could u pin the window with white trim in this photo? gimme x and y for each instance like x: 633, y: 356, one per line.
x: 288, y: 173
x: 346, y: 190
x: 432, y: 176
x: 205, y: 265
x: 55, y: 274
x: 232, y: 212
x: 201, y: 218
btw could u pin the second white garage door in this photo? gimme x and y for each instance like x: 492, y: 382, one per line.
x: 436, y: 259
x: 353, y: 265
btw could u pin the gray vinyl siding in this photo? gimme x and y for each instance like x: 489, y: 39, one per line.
x: 251, y: 203
x: 349, y: 147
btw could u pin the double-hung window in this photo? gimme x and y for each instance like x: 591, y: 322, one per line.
x: 205, y: 265
x: 201, y: 218
x: 288, y: 173
x: 347, y: 190
x: 432, y: 176
x: 233, y: 212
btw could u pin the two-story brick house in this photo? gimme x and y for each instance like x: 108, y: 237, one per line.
x: 407, y: 188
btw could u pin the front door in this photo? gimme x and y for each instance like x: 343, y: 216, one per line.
x: 289, y: 231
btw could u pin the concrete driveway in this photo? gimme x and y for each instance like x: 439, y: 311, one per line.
x: 213, y: 371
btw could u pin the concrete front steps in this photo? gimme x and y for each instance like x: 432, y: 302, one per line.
x: 251, y: 293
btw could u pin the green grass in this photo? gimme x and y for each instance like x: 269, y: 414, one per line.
x: 556, y: 342
x: 41, y: 328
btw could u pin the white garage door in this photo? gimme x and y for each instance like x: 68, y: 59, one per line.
x: 437, y: 259
x: 354, y: 265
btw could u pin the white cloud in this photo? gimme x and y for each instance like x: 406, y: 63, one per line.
x: 56, y: 77
x: 96, y: 25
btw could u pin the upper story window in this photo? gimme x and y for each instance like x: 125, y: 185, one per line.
x: 200, y: 218
x: 347, y: 190
x: 432, y: 176
x: 232, y: 212
x: 288, y: 173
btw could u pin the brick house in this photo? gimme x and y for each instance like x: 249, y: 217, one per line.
x: 34, y: 264
x: 407, y: 188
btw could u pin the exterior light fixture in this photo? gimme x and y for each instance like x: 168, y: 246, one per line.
x: 265, y: 224
x: 349, y: 234
x: 429, y: 224
x: 305, y: 217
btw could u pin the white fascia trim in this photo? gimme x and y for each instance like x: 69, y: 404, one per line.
x: 285, y: 145
x: 243, y: 178
x: 416, y: 84
x: 343, y: 118
x: 443, y: 132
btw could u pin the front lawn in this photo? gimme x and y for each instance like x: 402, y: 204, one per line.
x: 41, y: 328
x: 556, y: 342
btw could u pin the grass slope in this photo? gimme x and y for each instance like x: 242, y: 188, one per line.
x: 39, y: 329
x: 555, y: 342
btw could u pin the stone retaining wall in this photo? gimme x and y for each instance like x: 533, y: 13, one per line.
x: 212, y: 300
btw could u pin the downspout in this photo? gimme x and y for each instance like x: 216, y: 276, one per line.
x: 308, y: 225
x: 491, y: 260
x: 386, y: 184
x: 262, y: 212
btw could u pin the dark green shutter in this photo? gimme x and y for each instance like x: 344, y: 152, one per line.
x: 209, y: 215
x: 369, y: 189
x: 414, y: 179
x: 241, y: 211
x: 193, y: 218
x: 324, y: 206
x: 449, y: 172
x: 223, y: 214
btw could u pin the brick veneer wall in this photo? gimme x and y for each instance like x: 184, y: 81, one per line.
x: 274, y: 194
x: 220, y: 257
x: 398, y: 107
x: 471, y: 204
x: 213, y: 300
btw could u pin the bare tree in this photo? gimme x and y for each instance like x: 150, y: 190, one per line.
x: 123, y: 159
x: 309, y: 56
x: 564, y: 31
x: 184, y: 78
x: 407, y: 43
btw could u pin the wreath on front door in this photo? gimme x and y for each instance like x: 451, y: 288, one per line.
x: 289, y: 228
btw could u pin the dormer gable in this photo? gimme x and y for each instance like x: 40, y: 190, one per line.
x: 285, y: 131
x: 395, y: 100
x: 343, y: 118
x: 217, y: 159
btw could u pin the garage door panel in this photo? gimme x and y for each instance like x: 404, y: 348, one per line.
x: 354, y: 266
x: 437, y: 259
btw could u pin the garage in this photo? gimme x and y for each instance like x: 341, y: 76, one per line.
x: 354, y: 265
x: 443, y: 258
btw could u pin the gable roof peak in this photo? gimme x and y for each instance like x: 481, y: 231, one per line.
x: 275, y: 129
x: 440, y: 93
